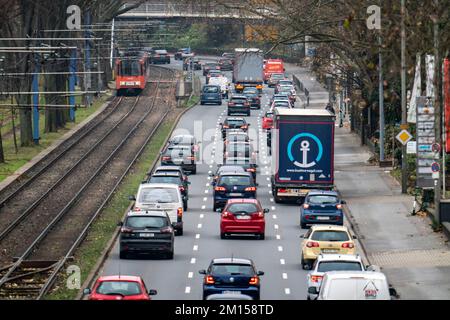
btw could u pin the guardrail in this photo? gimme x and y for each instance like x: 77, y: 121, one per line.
x: 301, y: 87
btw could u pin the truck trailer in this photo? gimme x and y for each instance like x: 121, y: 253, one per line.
x: 302, y: 146
x: 248, y: 69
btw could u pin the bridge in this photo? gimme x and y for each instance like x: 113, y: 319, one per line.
x: 179, y: 9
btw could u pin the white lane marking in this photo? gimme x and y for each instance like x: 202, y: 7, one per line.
x: 210, y: 166
x: 268, y: 179
x: 269, y: 185
x: 280, y: 248
x: 199, y: 226
x: 287, y: 291
x: 206, y: 191
x: 187, y: 290
x: 205, y: 199
x: 190, y: 275
x: 209, y: 172
x: 276, y: 227
x: 197, y: 236
x: 284, y: 275
x: 270, y: 191
x: 282, y: 261
x: 209, y: 178
x: 278, y: 237
x: 195, y: 248
x: 192, y: 260
x: 271, y: 199
x: 203, y: 207
x: 202, y: 216
x: 273, y: 208
x: 274, y: 216
x: 207, y: 185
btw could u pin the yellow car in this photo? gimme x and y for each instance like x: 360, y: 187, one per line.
x: 325, y: 239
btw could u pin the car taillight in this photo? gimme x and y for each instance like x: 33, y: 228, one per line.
x: 312, y: 244
x: 254, y: 281
x: 231, y: 103
x: 227, y: 215
x: 136, y: 209
x: 339, y: 206
x: 250, y: 189
x: 305, y: 206
x: 259, y: 215
x: 282, y: 190
x: 191, y: 158
x: 251, y: 170
x: 348, y: 245
x: 166, y: 230
x: 244, y: 127
x: 316, y: 278
x: 307, y: 217
x: 209, y: 280
x: 180, y: 212
x: 225, y: 155
x: 220, y: 189
x: 166, y: 158
x: 226, y: 127
x: 126, y: 230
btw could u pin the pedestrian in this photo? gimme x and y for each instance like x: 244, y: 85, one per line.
x: 330, y: 108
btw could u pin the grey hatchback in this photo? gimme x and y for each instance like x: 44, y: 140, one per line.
x: 211, y: 94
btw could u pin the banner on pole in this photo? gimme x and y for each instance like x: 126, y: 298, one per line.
x: 429, y: 64
x: 447, y: 103
x: 416, y: 91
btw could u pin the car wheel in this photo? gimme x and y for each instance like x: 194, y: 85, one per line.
x: 170, y: 255
x: 223, y: 235
x: 123, y: 255
x: 185, y: 206
x: 248, y: 114
x: 262, y: 236
x: 308, y: 298
x: 202, y: 103
x: 194, y: 171
x: 180, y: 232
x: 276, y: 199
x: 303, y: 225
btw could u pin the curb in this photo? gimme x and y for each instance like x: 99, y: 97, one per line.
x: 27, y: 166
x: 102, y: 259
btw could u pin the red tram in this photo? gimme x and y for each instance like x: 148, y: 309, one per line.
x: 131, y: 74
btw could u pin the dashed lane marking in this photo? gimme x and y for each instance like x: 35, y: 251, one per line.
x: 274, y: 216
x: 187, y: 290
x: 278, y: 237
x: 202, y: 216
x: 205, y: 199
x: 192, y: 260
x: 203, y: 207
x: 282, y: 261
x: 195, y: 248
x: 206, y: 191
x: 280, y: 248
x: 284, y: 275
x: 276, y: 227
x: 190, y: 275
x: 273, y: 208
x: 197, y: 236
x: 199, y: 226
x: 287, y: 291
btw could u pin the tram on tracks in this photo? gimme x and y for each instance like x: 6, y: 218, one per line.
x: 132, y: 73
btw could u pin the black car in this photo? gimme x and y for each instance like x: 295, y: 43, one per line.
x: 232, y: 124
x: 223, y: 169
x: 159, y: 56
x: 231, y: 275
x: 246, y: 163
x: 253, y: 97
x: 232, y: 185
x: 185, y: 140
x: 238, y: 104
x: 239, y: 150
x: 226, y: 64
x: 180, y: 155
x: 173, y: 178
x: 146, y: 232
x: 171, y: 169
x: 210, y: 66
x: 235, y: 135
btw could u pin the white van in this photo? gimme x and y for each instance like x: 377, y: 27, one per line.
x: 354, y: 285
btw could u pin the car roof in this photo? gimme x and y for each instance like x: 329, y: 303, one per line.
x: 243, y: 174
x: 339, y: 257
x: 120, y: 278
x: 228, y: 296
x: 232, y: 261
x: 161, y: 50
x: 322, y: 192
x: 234, y: 118
x: 329, y: 227
x: 238, y: 96
x: 372, y: 275
x: 147, y: 213
x: 230, y: 168
x: 169, y: 168
x: 166, y: 174
x: 159, y: 185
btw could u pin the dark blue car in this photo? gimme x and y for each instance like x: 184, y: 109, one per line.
x: 232, y: 185
x: 231, y: 275
x: 321, y: 207
x: 211, y: 94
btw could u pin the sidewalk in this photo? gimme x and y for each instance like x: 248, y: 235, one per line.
x: 415, y: 259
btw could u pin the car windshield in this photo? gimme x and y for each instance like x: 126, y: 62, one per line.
x: 285, y: 82
x: 210, y: 89
x: 329, y: 235
x: 232, y: 269
x: 326, y: 266
x: 281, y: 104
x: 165, y: 179
x: 158, y: 195
x: 141, y: 222
x: 322, y: 199
x: 235, y: 180
x: 124, y: 288
x: 215, y: 75
x: 242, y: 208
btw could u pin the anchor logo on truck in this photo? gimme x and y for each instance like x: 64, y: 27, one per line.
x: 305, y: 150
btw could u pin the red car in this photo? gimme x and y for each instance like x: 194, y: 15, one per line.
x: 267, y: 120
x: 243, y: 216
x: 119, y: 288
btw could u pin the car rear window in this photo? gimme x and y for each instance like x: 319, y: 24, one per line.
x: 169, y: 171
x: 232, y: 269
x: 166, y: 179
x: 242, y: 208
x: 239, y: 100
x: 326, y: 266
x: 146, y: 222
x: 277, y: 76
x: 322, y: 199
x: 235, y: 180
x: 158, y: 195
x: 210, y: 90
x: 250, y: 90
x: 329, y: 235
x: 238, y: 147
x: 126, y: 288
x: 235, y: 122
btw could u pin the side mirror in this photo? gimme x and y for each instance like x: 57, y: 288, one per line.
x: 120, y: 224
x: 203, y: 271
x: 266, y: 210
x: 132, y: 198
x: 144, y: 181
x: 313, y: 290
x: 87, y: 291
x: 301, y: 236
x: 218, y: 210
x: 393, y: 292
x: 355, y: 237
x: 249, y: 124
x: 152, y: 292
x: 221, y: 123
x: 343, y: 202
x: 260, y: 273
x: 211, y: 174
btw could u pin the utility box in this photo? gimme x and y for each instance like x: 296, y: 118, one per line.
x: 444, y: 211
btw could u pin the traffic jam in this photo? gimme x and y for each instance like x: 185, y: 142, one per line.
x: 242, y: 204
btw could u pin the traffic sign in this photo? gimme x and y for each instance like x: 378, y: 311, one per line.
x: 404, y: 126
x: 404, y: 136
x: 436, y: 147
x: 435, y: 167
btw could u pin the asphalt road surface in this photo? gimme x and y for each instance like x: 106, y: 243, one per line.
x: 278, y: 255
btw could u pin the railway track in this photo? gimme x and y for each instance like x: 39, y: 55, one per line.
x: 57, y: 219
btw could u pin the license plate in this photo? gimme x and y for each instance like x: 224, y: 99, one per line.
x: 323, y: 218
x: 147, y: 235
x: 243, y: 217
x: 329, y: 251
x: 235, y: 194
x: 237, y: 292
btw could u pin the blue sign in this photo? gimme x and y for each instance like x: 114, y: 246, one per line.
x: 306, y: 152
x: 435, y: 167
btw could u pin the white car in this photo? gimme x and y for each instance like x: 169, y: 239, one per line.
x: 223, y: 83
x: 161, y: 197
x: 331, y: 262
x: 355, y: 285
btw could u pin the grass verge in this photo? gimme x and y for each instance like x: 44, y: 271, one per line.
x: 14, y: 161
x: 103, y: 228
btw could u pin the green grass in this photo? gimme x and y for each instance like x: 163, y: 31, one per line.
x: 14, y: 161
x: 102, y: 229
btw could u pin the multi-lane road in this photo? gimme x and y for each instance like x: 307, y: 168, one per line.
x: 278, y: 255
